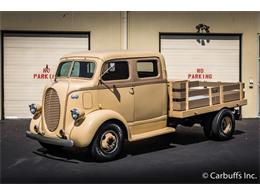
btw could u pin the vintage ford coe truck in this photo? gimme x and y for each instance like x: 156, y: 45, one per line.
x: 100, y: 99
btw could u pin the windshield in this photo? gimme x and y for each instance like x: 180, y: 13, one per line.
x: 80, y: 69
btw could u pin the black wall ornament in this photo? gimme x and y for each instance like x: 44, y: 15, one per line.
x: 203, y: 28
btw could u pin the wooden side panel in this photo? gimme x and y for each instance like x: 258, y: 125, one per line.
x: 188, y: 95
x: 182, y: 84
x: 198, y: 103
x: 179, y: 105
x: 230, y: 87
x: 232, y: 95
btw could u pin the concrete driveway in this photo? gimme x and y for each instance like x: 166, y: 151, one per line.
x: 183, y: 157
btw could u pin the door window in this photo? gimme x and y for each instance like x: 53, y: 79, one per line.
x: 117, y: 70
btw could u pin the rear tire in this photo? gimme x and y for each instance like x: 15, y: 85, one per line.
x: 223, y: 125
x: 108, y: 142
x: 220, y: 126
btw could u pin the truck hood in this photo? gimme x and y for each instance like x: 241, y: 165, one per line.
x: 69, y: 85
x: 55, y: 102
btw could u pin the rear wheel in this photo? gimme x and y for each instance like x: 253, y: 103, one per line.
x: 108, y: 142
x: 223, y: 125
x: 220, y: 126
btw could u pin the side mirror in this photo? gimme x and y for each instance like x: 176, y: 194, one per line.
x: 111, y: 67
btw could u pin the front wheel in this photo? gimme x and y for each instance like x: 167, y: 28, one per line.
x: 108, y: 142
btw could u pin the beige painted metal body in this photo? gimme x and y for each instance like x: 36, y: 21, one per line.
x: 139, y: 105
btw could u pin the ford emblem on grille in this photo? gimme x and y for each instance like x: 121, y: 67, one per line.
x: 74, y: 97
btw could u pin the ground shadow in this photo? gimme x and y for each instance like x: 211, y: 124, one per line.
x: 69, y: 155
x: 238, y: 132
x: 182, y: 136
x: 189, y: 135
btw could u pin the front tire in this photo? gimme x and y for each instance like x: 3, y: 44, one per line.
x: 108, y: 142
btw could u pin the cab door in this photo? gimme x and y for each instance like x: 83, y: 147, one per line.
x: 115, y: 91
x: 150, y: 96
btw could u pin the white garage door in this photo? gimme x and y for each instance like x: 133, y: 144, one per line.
x: 194, y: 57
x: 30, y: 62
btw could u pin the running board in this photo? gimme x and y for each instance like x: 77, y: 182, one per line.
x: 152, y: 133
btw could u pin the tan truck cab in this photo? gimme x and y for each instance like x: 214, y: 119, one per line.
x: 100, y: 99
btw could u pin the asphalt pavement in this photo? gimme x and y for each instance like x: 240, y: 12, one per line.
x: 185, y: 156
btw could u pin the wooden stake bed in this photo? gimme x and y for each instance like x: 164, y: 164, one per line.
x: 189, y: 98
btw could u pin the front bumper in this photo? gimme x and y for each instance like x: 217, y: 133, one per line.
x: 52, y: 141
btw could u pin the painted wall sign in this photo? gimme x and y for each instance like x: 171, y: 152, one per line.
x: 45, y: 74
x: 200, y: 74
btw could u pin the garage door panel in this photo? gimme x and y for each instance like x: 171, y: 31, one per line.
x: 203, y: 58
x: 19, y: 54
x: 24, y: 59
x: 184, y: 55
x: 45, y: 42
x: 21, y: 96
x: 193, y: 44
x: 13, y: 108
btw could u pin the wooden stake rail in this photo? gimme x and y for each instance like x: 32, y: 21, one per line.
x: 187, y: 96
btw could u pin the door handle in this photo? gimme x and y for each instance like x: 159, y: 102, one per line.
x: 131, y: 91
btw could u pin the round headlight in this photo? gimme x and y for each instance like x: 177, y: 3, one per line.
x: 33, y: 108
x: 75, y: 113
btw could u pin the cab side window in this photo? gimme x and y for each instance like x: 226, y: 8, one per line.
x: 147, y: 68
x: 117, y: 70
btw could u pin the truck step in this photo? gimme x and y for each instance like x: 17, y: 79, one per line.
x: 153, y: 133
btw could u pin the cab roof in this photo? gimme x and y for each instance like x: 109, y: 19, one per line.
x: 108, y: 55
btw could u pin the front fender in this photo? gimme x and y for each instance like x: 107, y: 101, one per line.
x: 83, y: 134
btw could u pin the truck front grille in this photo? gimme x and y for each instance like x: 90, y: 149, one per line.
x: 51, y: 109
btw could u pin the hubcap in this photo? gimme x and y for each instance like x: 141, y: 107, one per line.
x: 226, y: 124
x: 109, y: 141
